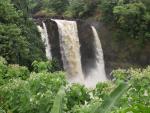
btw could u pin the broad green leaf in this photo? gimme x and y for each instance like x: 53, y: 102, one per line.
x: 58, y: 103
x: 110, y: 101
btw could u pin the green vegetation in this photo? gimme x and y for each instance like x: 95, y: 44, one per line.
x: 49, y: 66
x: 20, y: 42
x: 129, y: 18
x: 29, y: 84
x: 22, y: 91
x: 65, y: 8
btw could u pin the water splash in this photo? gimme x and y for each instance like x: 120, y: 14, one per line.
x: 44, y: 36
x: 70, y: 50
x: 97, y: 74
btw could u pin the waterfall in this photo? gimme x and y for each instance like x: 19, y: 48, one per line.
x: 70, y: 50
x: 70, y: 53
x: 44, y: 36
x: 98, y: 73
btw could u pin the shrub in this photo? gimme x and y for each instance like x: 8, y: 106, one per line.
x: 34, y: 95
x: 77, y: 95
x: 48, y: 66
x: 16, y: 71
x: 3, y: 69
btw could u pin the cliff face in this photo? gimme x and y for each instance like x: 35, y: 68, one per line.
x: 87, y: 49
x: 53, y: 36
x: 86, y: 40
x: 121, y: 53
x: 118, y: 53
x: 54, y: 41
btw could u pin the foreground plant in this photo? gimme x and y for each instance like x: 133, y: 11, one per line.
x: 22, y: 91
x: 105, y: 107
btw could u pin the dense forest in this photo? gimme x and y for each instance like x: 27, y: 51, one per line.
x: 16, y: 17
x: 22, y: 91
x: 29, y: 83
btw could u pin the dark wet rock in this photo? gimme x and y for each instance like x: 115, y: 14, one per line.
x: 87, y: 48
x: 121, y: 53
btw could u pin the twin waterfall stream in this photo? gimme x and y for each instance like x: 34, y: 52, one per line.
x: 70, y: 52
x: 44, y: 36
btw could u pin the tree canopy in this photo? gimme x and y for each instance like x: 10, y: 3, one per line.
x: 19, y: 38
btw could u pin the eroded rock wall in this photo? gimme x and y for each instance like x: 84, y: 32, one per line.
x: 87, y: 48
x: 118, y: 53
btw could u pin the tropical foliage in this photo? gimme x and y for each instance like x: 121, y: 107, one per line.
x: 28, y: 84
x: 120, y: 14
x: 19, y: 38
x: 22, y: 91
x: 131, y: 18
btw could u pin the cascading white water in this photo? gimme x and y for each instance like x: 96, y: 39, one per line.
x: 97, y: 74
x: 44, y: 36
x: 70, y: 50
